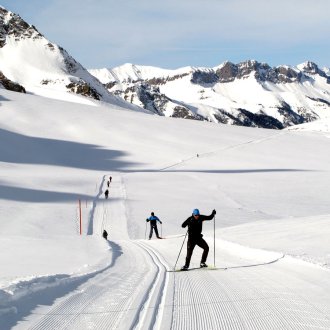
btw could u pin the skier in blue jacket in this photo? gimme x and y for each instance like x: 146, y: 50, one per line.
x: 153, y: 224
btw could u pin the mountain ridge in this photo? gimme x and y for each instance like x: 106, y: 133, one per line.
x: 295, y: 94
x: 248, y: 93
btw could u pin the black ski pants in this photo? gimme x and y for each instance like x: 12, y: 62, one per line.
x: 192, y: 242
x: 153, y: 227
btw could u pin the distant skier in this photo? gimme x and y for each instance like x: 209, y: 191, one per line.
x: 110, y: 179
x: 108, y: 183
x: 106, y: 193
x: 195, y: 237
x: 105, y: 234
x: 153, y: 224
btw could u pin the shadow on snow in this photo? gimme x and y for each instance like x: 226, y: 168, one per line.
x: 23, y: 149
x: 51, y: 288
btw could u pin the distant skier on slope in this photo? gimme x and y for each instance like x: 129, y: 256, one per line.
x: 195, y: 237
x: 106, y: 194
x: 105, y: 234
x: 153, y: 224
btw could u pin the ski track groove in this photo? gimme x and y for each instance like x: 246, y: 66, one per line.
x: 301, y: 309
x: 84, y: 307
x: 134, y: 297
x: 244, y: 299
x: 152, y: 311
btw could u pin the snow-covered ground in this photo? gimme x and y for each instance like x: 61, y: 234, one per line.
x: 270, y: 190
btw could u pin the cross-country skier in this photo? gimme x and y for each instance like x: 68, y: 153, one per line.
x: 153, y: 224
x: 195, y: 237
x: 106, y: 194
x: 105, y: 234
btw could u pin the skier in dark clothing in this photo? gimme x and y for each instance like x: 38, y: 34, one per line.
x: 153, y: 224
x: 106, y: 193
x: 195, y: 237
x: 105, y: 234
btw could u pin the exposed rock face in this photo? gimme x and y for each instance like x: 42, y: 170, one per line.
x: 13, y: 25
x: 227, y: 73
x: 182, y: 112
x: 162, y: 81
x: 151, y: 98
x: 286, y: 75
x: 83, y: 89
x: 258, y: 120
x: 202, y: 77
x: 312, y: 69
x: 148, y: 93
x: 63, y: 71
x: 261, y: 71
x: 10, y: 85
x: 249, y: 119
x: 289, y: 116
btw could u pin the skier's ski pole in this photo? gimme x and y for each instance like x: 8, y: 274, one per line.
x: 180, y: 250
x: 145, y: 233
x: 214, y: 242
x: 161, y: 230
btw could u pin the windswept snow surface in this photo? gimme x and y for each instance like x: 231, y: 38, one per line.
x: 270, y: 190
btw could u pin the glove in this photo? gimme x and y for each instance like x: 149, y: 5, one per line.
x: 160, y: 222
x: 147, y: 220
x: 214, y: 212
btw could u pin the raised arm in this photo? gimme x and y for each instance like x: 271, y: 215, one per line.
x: 210, y: 217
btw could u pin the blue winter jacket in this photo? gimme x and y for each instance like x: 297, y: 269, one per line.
x: 153, y: 220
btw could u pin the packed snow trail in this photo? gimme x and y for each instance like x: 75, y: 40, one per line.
x: 258, y: 290
x: 285, y: 294
x: 127, y: 294
x: 121, y: 297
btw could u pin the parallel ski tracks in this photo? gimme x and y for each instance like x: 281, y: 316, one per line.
x: 103, y: 302
x: 263, y: 298
x: 133, y: 298
x: 151, y: 313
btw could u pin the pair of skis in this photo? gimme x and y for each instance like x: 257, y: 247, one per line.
x: 196, y: 268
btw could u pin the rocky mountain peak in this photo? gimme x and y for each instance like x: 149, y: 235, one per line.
x: 312, y: 69
x: 13, y: 25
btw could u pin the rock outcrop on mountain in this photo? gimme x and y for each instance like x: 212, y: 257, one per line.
x: 10, y: 85
x: 29, y: 60
x: 249, y: 93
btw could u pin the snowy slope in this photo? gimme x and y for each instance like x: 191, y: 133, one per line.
x: 42, y: 67
x: 270, y: 190
x: 249, y: 93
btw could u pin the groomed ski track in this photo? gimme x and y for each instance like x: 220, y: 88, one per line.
x: 135, y: 291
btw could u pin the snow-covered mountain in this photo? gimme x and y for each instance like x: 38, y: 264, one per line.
x: 249, y: 93
x: 29, y: 62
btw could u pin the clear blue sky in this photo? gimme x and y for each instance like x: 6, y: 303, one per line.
x: 176, y: 33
